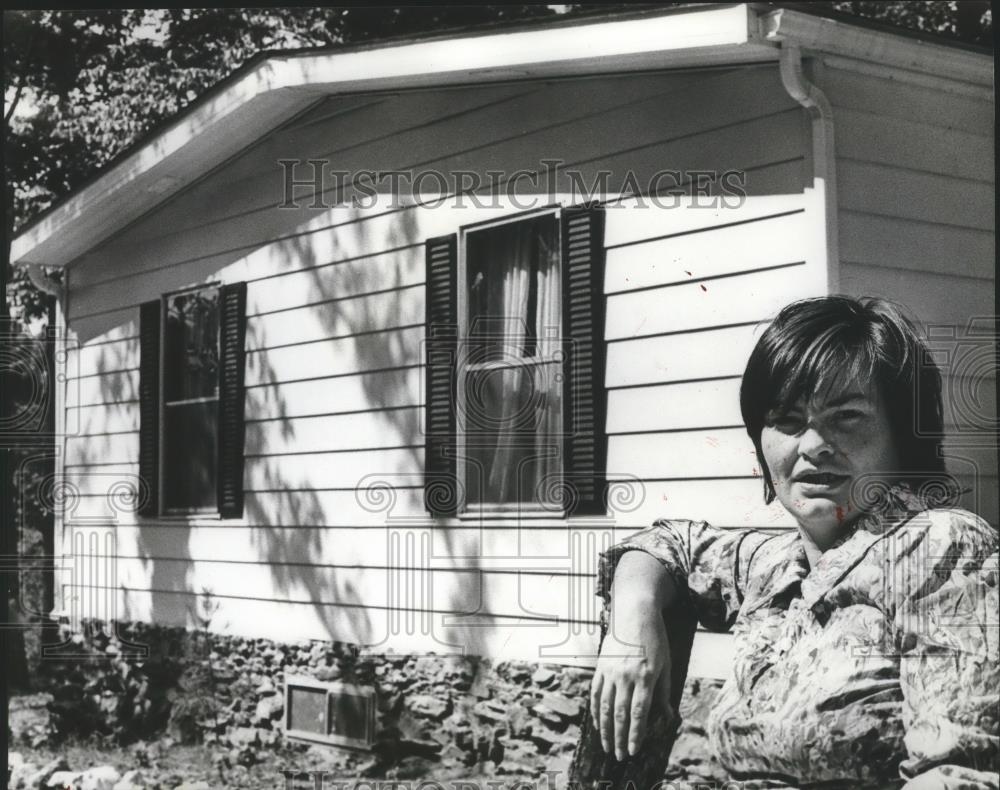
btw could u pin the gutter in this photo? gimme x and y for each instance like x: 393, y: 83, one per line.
x: 43, y: 280
x: 824, y: 163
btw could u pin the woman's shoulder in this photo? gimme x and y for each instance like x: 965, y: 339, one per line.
x: 949, y: 529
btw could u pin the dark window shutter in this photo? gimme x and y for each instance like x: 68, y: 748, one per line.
x: 149, y: 406
x: 585, y: 448
x: 440, y: 483
x: 232, y: 337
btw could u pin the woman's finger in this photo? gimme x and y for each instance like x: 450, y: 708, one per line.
x: 595, y: 699
x: 642, y: 696
x: 623, y: 704
x: 606, y: 714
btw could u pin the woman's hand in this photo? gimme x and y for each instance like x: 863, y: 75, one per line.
x: 633, y: 669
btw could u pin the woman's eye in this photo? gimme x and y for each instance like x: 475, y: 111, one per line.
x: 849, y: 415
x: 787, y: 423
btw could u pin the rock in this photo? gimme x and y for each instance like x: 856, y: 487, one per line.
x: 429, y: 707
x: 459, y: 667
x: 266, y: 688
x: 557, y: 709
x: 101, y: 777
x: 246, y: 755
x: 268, y: 709
x: 491, y: 710
x: 400, y: 678
x: 413, y: 767
x: 326, y: 759
x: 519, y: 758
x: 242, y: 736
x: 64, y: 780
x: 414, y: 738
x: 131, y: 780
x: 427, y: 665
x: 517, y: 672
x: 332, y: 672
x: 480, y: 688
x: 388, y: 701
x: 496, y: 749
x: 20, y: 774
x: 452, y: 757
x: 548, y: 739
x: 41, y: 777
x: 543, y: 677
x: 520, y: 721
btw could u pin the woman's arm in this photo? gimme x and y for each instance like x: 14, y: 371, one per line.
x: 672, y: 563
x: 634, y: 665
x: 947, y: 624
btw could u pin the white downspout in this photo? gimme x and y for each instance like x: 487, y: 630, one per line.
x: 823, y: 156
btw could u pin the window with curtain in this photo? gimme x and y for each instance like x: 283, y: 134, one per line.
x: 510, y: 363
x: 190, y: 400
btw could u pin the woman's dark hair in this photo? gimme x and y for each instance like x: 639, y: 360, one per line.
x: 813, y: 344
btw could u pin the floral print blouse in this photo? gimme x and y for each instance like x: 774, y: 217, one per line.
x: 876, y: 668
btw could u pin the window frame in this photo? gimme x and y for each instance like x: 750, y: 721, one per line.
x: 530, y: 509
x: 183, y: 512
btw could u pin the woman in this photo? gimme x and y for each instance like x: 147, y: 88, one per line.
x: 865, y: 640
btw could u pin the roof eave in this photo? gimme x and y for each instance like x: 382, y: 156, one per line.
x: 838, y: 37
x: 274, y: 89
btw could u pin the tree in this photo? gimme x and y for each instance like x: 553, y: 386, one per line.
x: 970, y: 21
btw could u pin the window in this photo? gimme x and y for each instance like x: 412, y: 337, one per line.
x: 509, y: 358
x: 514, y: 366
x: 190, y: 390
x: 191, y: 401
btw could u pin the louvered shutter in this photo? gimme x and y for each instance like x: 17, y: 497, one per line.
x: 149, y: 406
x: 585, y: 447
x: 232, y: 336
x: 440, y: 484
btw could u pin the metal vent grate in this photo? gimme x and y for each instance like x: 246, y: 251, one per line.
x: 338, y: 713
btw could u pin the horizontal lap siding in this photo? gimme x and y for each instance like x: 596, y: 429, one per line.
x: 916, y: 197
x: 334, y: 341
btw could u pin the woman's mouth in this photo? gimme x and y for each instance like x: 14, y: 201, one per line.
x: 820, y: 480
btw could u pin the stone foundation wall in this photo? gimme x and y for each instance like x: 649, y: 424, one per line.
x: 437, y: 716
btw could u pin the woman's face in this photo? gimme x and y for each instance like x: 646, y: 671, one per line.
x: 817, y: 450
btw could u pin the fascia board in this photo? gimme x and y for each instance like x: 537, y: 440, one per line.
x: 814, y: 34
x: 224, y: 124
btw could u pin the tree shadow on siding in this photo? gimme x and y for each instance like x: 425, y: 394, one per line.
x: 102, y: 468
x: 369, y: 305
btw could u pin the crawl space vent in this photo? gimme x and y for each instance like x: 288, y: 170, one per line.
x: 337, y: 713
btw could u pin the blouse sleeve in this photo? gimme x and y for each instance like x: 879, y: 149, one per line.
x: 948, y: 620
x: 708, y: 565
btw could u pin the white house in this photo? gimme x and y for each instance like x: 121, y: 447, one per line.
x: 385, y: 413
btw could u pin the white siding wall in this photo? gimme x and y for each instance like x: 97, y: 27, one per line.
x: 916, y: 195
x: 336, y: 306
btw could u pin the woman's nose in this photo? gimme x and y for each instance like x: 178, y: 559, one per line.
x: 813, y: 444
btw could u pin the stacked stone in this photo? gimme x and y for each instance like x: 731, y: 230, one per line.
x: 441, y: 716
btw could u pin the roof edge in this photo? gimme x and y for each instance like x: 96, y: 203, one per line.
x: 828, y: 34
x: 273, y: 86
x: 270, y: 89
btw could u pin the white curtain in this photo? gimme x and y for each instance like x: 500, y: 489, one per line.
x: 528, y: 413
